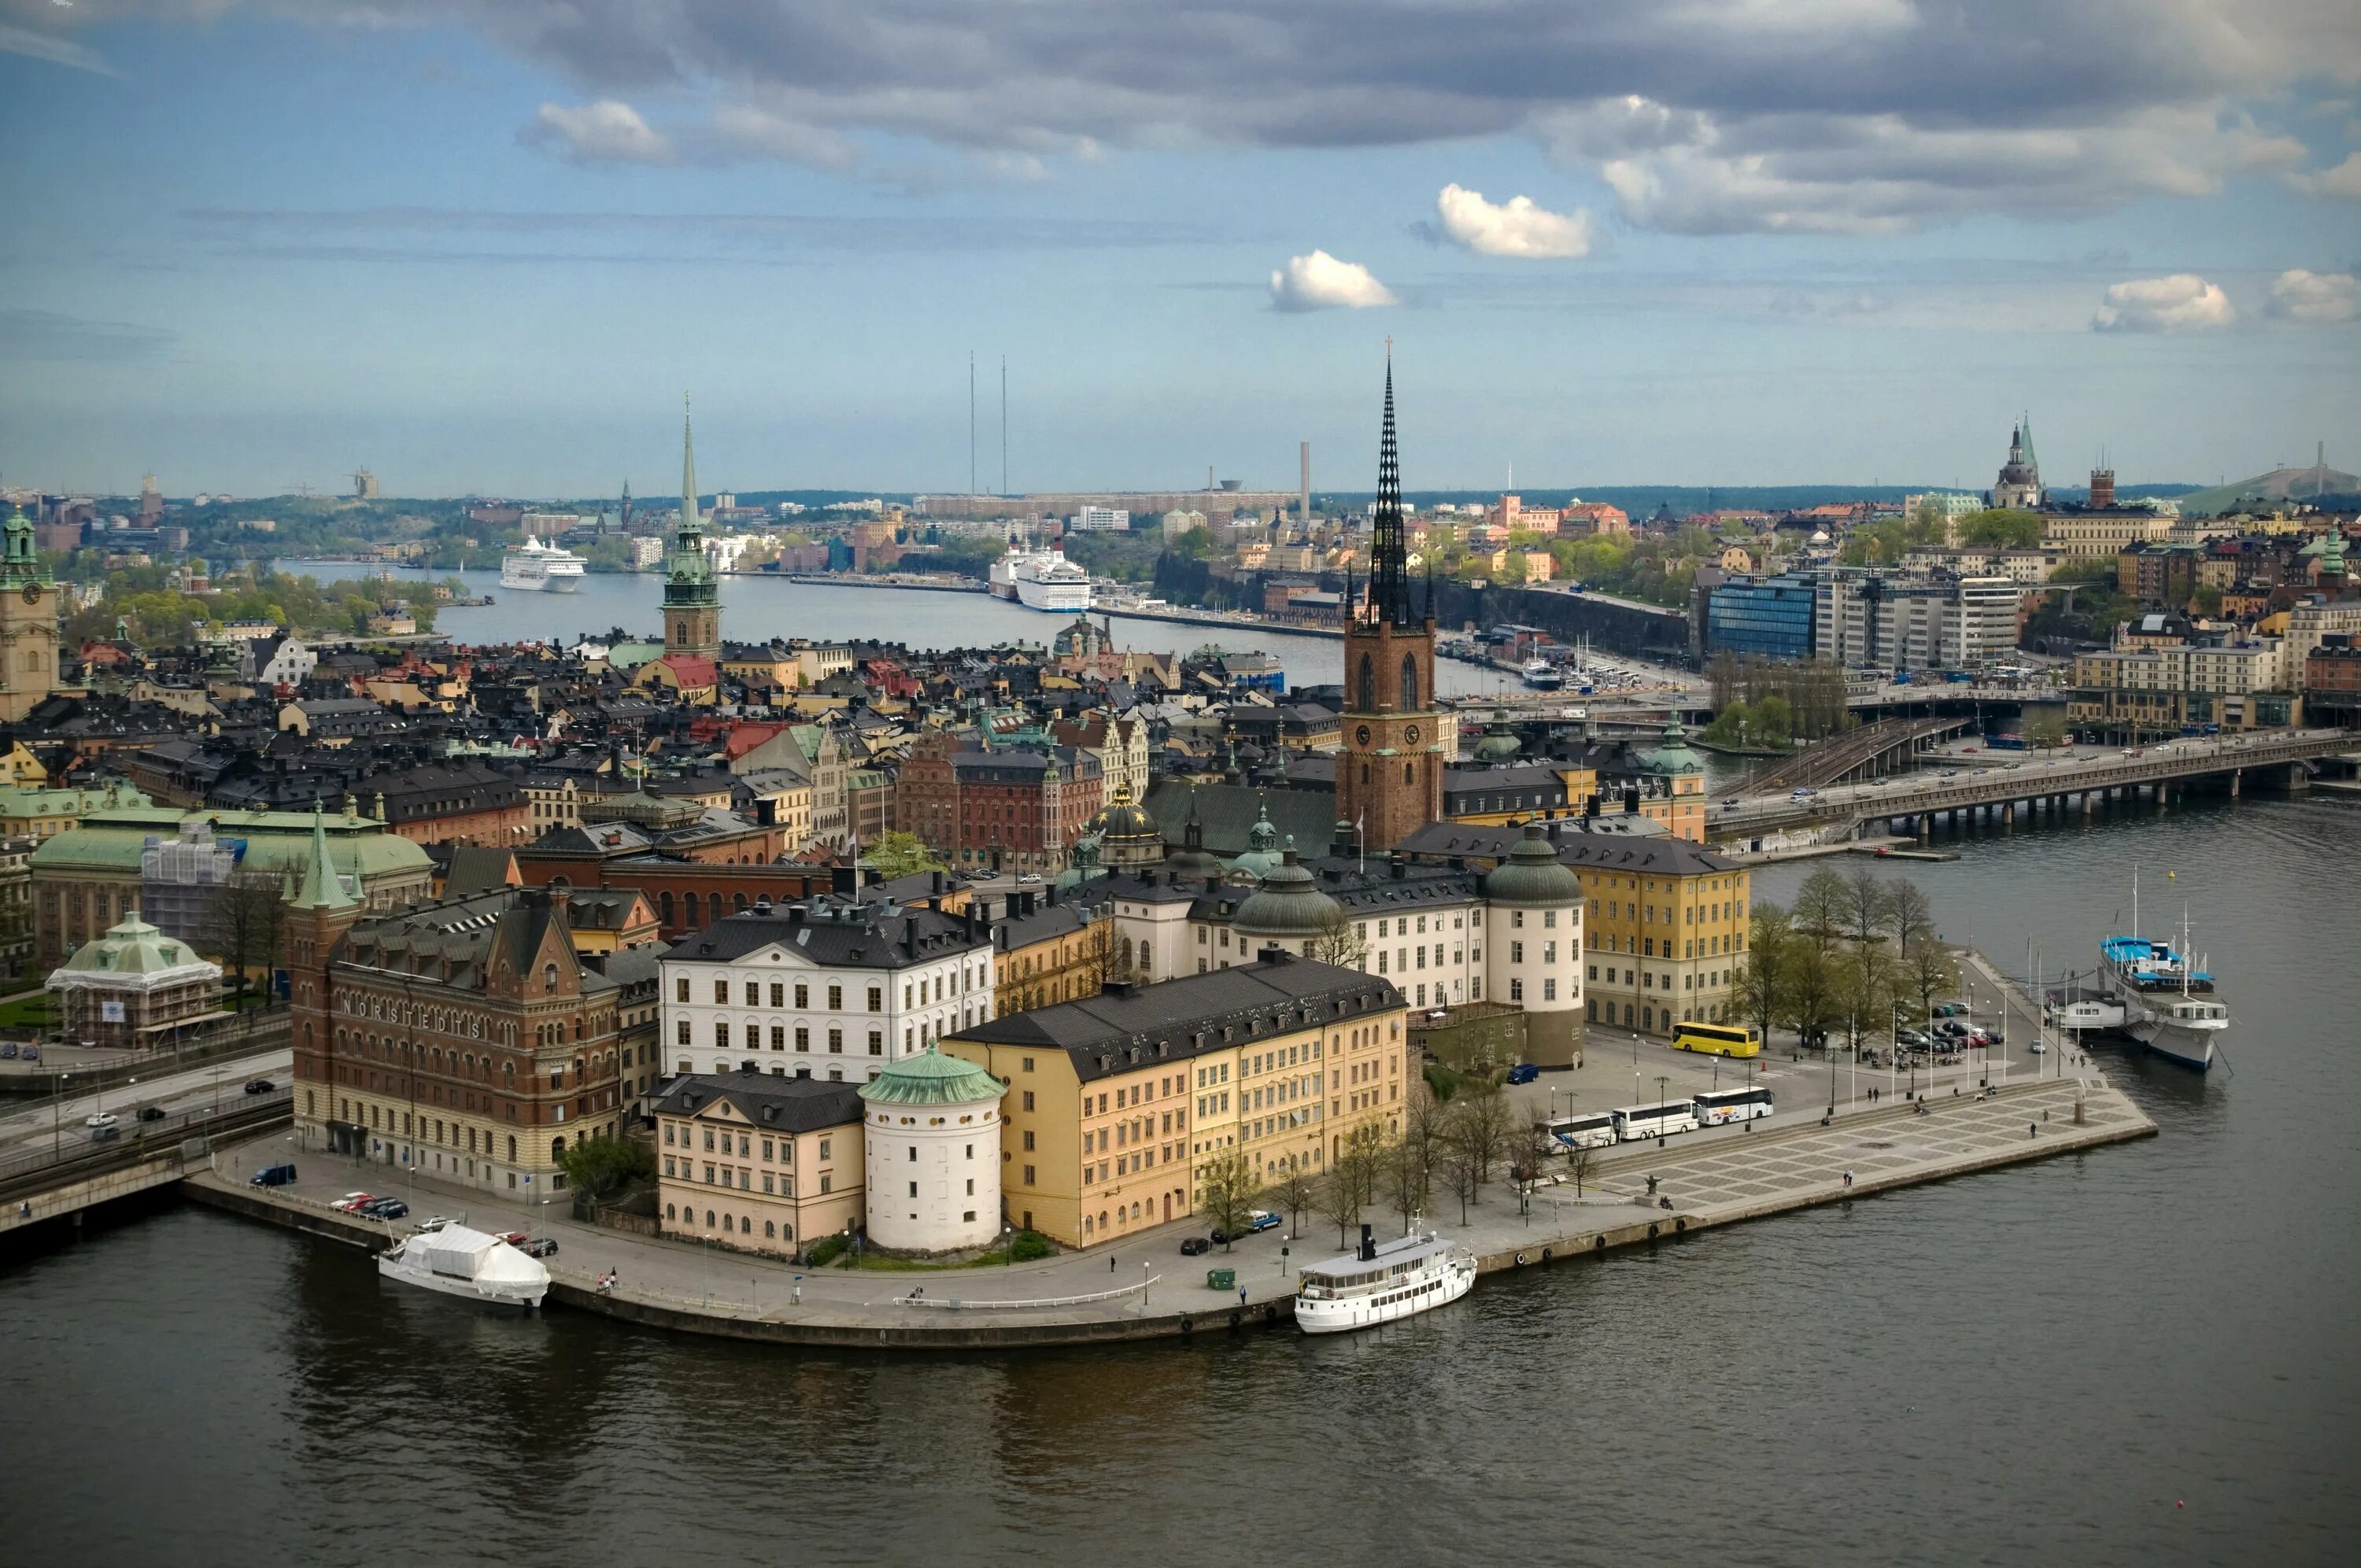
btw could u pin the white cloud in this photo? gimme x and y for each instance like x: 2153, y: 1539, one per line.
x: 1318, y: 281
x: 606, y: 132
x: 1519, y: 228
x: 56, y: 50
x: 2304, y: 296
x: 2344, y: 179
x: 758, y: 133
x: 2182, y: 303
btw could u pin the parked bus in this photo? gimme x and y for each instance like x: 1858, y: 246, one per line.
x: 1718, y: 1039
x: 1716, y: 1106
x: 1592, y: 1129
x: 1636, y: 1122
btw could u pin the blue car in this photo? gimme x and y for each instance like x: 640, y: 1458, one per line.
x: 1523, y: 1072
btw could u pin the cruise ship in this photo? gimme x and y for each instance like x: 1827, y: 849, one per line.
x: 1382, y: 1282
x: 457, y: 1261
x: 540, y: 568
x: 2169, y: 1001
x: 1042, y: 579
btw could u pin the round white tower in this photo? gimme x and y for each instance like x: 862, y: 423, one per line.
x: 931, y: 1142
x: 1532, y: 950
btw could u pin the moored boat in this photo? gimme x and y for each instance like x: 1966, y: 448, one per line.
x: 468, y: 1263
x: 1382, y: 1282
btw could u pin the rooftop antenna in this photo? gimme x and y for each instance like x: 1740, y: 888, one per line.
x: 1004, y: 425
x: 970, y: 422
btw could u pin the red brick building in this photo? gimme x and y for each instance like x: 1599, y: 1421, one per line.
x: 1023, y: 810
x: 926, y: 791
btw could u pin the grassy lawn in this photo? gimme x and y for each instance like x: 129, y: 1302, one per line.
x: 33, y: 1010
x: 1030, y: 1247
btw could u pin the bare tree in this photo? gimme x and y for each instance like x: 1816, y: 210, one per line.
x: 1336, y: 1197
x: 1529, y: 1161
x: 1460, y: 1165
x: 1822, y: 906
x: 1909, y: 913
x: 1927, y: 971
x: 1364, y: 1149
x: 1481, y: 1120
x: 1578, y: 1158
x: 1293, y: 1191
x: 1227, y: 1197
x: 1865, y: 986
x: 242, y: 925
x: 1339, y: 941
x: 1868, y: 906
x: 1409, y: 1180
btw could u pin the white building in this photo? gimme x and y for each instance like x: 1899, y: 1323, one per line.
x: 289, y: 664
x: 930, y: 1140
x: 1101, y: 520
x: 829, y: 989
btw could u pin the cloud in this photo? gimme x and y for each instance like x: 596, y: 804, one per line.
x: 49, y: 336
x: 2344, y: 179
x: 1519, y: 228
x: 1844, y: 116
x: 2182, y: 303
x: 607, y: 131
x: 758, y: 133
x: 2303, y: 296
x: 35, y: 44
x: 1318, y: 281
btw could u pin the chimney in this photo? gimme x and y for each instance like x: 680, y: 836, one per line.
x: 844, y: 880
x: 1590, y: 806
x: 1369, y: 1246
x: 937, y: 874
x: 1304, y: 517
x: 2103, y: 488
x: 1272, y: 953
x: 795, y: 913
x: 1631, y: 801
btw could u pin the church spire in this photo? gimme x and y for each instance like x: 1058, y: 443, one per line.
x: 322, y: 888
x: 1389, y: 557
x: 689, y: 523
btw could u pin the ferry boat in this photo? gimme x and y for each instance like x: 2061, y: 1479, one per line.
x: 2084, y: 1012
x: 1543, y: 675
x: 2168, y: 998
x: 1382, y: 1282
x: 1042, y: 579
x: 540, y: 568
x: 468, y: 1263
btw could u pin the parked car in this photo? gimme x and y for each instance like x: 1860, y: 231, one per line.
x: 384, y: 1209
x: 544, y: 1247
x: 351, y: 1201
x: 32, y: 1053
x: 279, y: 1175
x: 102, y: 1119
x: 1028, y: 878
x: 259, y: 1086
x: 1523, y: 1072
x: 8, y: 1050
x: 151, y: 1112
x: 1910, y: 1038
x: 432, y: 1223
x: 1256, y: 1220
x: 515, y: 1238
x: 1195, y: 1246
x: 1950, y: 1009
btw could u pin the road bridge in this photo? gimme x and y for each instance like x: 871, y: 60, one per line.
x: 2035, y: 784
x: 66, y: 1180
x: 1869, y: 750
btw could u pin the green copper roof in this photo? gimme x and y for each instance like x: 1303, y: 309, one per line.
x: 1289, y: 904
x: 133, y: 948
x: 1532, y: 874
x: 932, y: 1077
x: 109, y: 842
x: 322, y: 888
x: 1674, y: 756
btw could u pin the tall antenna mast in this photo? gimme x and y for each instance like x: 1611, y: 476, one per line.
x: 970, y: 422
x: 1004, y: 425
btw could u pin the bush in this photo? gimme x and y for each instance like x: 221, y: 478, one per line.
x: 1030, y: 1245
x: 825, y: 1252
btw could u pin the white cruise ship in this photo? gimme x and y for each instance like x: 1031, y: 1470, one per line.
x: 1042, y: 579
x: 540, y: 568
x: 1382, y: 1282
x: 470, y: 1263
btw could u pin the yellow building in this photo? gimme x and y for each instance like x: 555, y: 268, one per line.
x: 762, y: 664
x: 758, y: 1161
x: 1049, y: 953
x: 1667, y: 933
x: 1118, y: 1102
x: 19, y: 766
x: 35, y: 812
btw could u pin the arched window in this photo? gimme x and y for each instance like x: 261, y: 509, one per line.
x: 556, y: 1148
x: 709, y: 1217
x: 511, y: 1146
x: 1368, y: 684
x: 1409, y: 684
x: 668, y: 1214
x: 739, y: 903
x: 713, y: 902
x: 549, y: 977
x: 667, y: 907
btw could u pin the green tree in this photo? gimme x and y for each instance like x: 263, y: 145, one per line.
x: 899, y: 854
x: 1812, y: 981
x: 2001, y: 529
x: 1928, y: 971
x: 601, y: 1167
x: 2048, y: 730
x: 1823, y: 905
x: 1226, y: 1197
x: 1761, y: 984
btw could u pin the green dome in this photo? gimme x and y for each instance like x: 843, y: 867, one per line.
x: 1532, y: 874
x: 1674, y: 757
x: 132, y: 947
x: 932, y: 1077
x: 1289, y: 904
x: 1499, y: 743
x: 1081, y: 863
x: 1262, y: 856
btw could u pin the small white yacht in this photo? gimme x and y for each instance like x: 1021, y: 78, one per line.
x: 1382, y: 1282
x: 470, y: 1263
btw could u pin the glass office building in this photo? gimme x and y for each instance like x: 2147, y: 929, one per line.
x: 1766, y: 617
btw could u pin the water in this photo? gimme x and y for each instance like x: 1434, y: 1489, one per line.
x: 2038, y: 1365
x: 755, y: 610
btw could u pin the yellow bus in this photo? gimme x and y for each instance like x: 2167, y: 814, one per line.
x: 1716, y: 1039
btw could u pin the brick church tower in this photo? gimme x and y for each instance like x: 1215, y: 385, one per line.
x: 1390, y: 773
x: 317, y: 915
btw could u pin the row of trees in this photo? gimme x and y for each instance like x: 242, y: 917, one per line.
x: 1852, y: 954
x: 1452, y: 1147
x: 164, y: 617
x: 1810, y: 692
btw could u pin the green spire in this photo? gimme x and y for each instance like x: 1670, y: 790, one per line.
x: 688, y: 472
x: 322, y: 888
x: 688, y: 575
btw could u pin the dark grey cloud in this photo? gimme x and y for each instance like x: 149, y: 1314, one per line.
x: 1703, y: 115
x: 50, y: 335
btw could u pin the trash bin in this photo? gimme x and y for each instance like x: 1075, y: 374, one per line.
x: 1221, y: 1279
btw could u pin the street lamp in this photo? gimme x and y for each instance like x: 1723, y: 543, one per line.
x: 1143, y: 1287
x: 57, y: 1119
x: 1661, y: 1080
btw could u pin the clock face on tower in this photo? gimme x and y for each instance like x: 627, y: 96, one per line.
x: 32, y: 593
x: 1411, y: 735
x: 1361, y: 736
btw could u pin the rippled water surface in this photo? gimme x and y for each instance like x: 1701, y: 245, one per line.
x: 2038, y: 1365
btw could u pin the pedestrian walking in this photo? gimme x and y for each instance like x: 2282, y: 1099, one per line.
x: 1241, y: 1295
x: 798, y: 1296
x: 1110, y: 1263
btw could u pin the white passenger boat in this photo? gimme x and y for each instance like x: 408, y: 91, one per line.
x: 2169, y: 1001
x: 1042, y: 579
x: 1381, y: 1282
x: 540, y: 568
x: 468, y: 1263
x: 1543, y: 675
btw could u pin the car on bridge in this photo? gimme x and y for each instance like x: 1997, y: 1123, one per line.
x: 105, y: 1134
x: 151, y: 1112
x: 104, y: 1119
x: 259, y: 1086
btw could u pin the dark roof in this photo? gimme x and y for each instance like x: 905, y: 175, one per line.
x: 1126, y: 1027
x: 1228, y: 813
x: 478, y: 869
x: 767, y: 1099
x: 837, y: 936
x: 1443, y: 840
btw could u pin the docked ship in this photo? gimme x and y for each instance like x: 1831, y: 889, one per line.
x: 540, y: 568
x: 1543, y: 675
x: 2169, y: 1001
x: 468, y: 1263
x: 1382, y: 1282
x: 1042, y: 579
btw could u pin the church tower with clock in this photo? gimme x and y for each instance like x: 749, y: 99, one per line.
x: 29, y: 623
x: 1390, y: 773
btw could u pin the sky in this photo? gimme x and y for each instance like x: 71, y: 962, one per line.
x: 486, y: 245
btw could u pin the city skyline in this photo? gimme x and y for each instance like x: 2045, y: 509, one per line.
x: 1709, y: 245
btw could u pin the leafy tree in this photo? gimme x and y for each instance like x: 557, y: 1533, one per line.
x: 1227, y: 1197
x: 1928, y: 971
x: 2001, y: 529
x: 1761, y: 982
x: 1863, y: 992
x: 1812, y: 980
x: 1822, y: 906
x: 2047, y: 731
x: 1293, y: 1191
x: 599, y: 1168
x: 899, y: 854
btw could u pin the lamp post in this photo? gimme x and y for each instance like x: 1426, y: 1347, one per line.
x: 1008, y: 1240
x: 1143, y: 1287
x: 57, y: 1119
x: 1661, y: 1080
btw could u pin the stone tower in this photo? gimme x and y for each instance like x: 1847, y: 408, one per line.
x: 1389, y: 774
x: 317, y: 914
x: 692, y: 600
x: 29, y: 623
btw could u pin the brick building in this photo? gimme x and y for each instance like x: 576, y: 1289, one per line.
x: 1023, y: 810
x: 926, y: 791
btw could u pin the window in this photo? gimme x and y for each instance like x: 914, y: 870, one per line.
x: 803, y: 1038
x: 680, y: 1033
x: 721, y: 990
x: 803, y: 996
x: 835, y: 1042
x: 835, y: 999
x: 877, y: 1043
x: 778, y: 995
x: 1516, y: 990
x: 1516, y: 952
x: 680, y: 986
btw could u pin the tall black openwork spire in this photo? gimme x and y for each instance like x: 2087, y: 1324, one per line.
x: 1388, y: 554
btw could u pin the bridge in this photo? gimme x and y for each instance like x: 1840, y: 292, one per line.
x: 65, y: 1181
x: 1869, y: 750
x: 1999, y: 790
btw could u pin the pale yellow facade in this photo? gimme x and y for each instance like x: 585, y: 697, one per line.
x: 722, y: 1179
